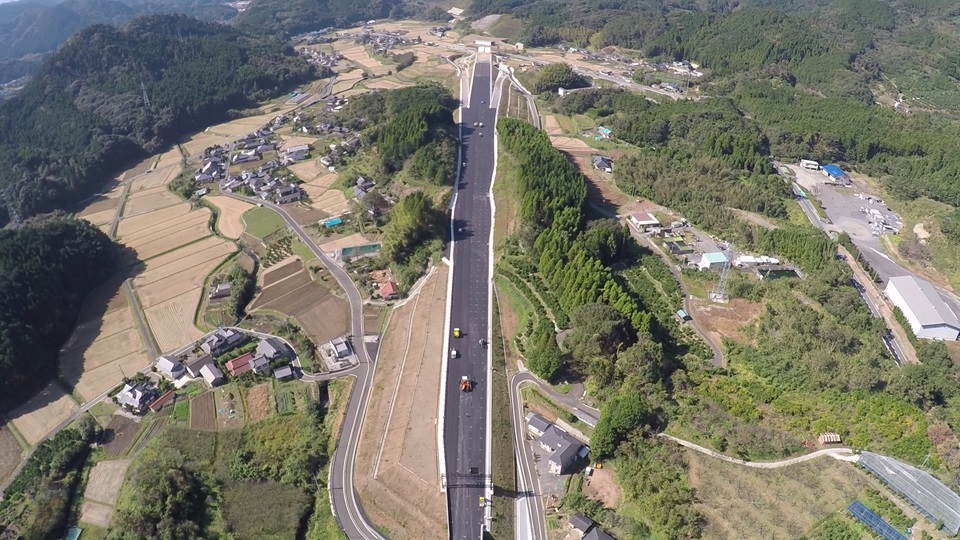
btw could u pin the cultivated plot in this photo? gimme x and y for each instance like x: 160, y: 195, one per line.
x: 10, y: 453
x: 229, y: 222
x: 260, y: 404
x: 322, y: 315
x: 38, y: 417
x: 355, y: 239
x: 99, y: 515
x: 332, y: 202
x: 105, y: 479
x: 396, y: 474
x: 119, y: 436
x: 203, y: 413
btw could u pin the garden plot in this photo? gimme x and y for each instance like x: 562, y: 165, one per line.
x: 36, y: 418
x: 172, y: 321
x: 259, y: 403
x: 147, y: 200
x: 119, y: 436
x: 203, y: 413
x: 229, y: 221
x: 397, y: 476
x: 332, y: 202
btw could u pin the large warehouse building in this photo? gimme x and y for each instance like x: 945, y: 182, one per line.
x: 928, y: 315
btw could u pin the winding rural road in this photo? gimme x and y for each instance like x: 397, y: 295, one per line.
x: 343, y: 499
x: 842, y: 454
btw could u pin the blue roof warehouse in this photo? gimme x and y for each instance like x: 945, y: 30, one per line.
x: 836, y: 174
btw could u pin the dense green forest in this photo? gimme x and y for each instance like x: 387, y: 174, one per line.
x: 190, y: 484
x: 551, y: 77
x: 287, y: 17
x: 193, y: 73
x: 30, y: 30
x: 46, y: 270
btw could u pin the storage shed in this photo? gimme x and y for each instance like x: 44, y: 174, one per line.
x: 921, y: 304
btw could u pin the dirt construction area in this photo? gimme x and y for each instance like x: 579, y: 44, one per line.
x: 721, y: 321
x: 396, y: 470
x: 290, y: 290
x: 36, y: 418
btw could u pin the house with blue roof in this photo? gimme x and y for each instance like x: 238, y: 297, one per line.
x: 834, y: 173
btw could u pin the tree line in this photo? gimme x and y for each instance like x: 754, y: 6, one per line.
x: 47, y: 269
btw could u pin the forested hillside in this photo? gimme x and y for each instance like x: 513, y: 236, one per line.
x: 294, y: 16
x: 32, y: 30
x: 46, y: 270
x: 83, y: 116
x: 840, y: 47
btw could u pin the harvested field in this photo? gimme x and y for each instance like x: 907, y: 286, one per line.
x: 355, y: 239
x: 385, y: 84
x: 160, y: 231
x: 98, y: 380
x: 359, y: 55
x: 178, y: 236
x: 552, y: 126
x: 119, y: 436
x: 10, y: 453
x: 721, y: 321
x: 259, y: 402
x: 99, y: 515
x: 102, y: 204
x: 172, y: 321
x: 162, y: 285
x: 229, y: 221
x: 139, y: 168
x: 182, y: 259
x: 325, y: 180
x: 308, y: 170
x: 147, y: 200
x: 135, y: 224
x: 293, y: 292
x: 203, y: 413
x: 396, y: 473
x: 783, y: 503
x: 105, y: 480
x: 101, y: 218
x: 346, y: 81
x: 169, y: 158
x: 106, y: 349
x: 36, y: 418
x: 332, y: 202
x: 242, y: 126
x: 201, y: 141
x: 155, y: 179
x: 297, y: 140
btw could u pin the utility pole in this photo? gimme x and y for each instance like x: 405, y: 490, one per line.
x: 719, y: 294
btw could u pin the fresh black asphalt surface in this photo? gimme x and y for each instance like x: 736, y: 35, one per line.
x: 465, y: 420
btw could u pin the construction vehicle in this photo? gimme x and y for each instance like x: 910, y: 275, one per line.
x: 483, y: 502
x: 456, y: 333
x: 465, y: 384
x: 454, y: 353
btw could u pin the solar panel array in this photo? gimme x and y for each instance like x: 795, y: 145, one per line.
x: 925, y: 493
x: 879, y: 526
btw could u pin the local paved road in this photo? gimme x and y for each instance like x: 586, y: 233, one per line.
x: 346, y: 506
x: 528, y: 483
x: 465, y: 413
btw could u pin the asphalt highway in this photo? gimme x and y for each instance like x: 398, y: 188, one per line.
x: 465, y: 421
x: 343, y: 498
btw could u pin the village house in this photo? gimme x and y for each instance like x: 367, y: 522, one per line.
x: 536, y: 424
x: 240, y: 364
x: 170, y: 367
x: 220, y: 290
x: 221, y: 341
x: 298, y: 152
x: 644, y: 221
x: 271, y: 348
x: 194, y: 363
x: 136, y: 397
x: 289, y: 194
x: 388, y: 291
x: 602, y: 163
x: 211, y: 375
x: 565, y: 449
x: 341, y: 348
x: 283, y: 373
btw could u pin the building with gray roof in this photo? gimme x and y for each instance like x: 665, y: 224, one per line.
x: 921, y: 304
